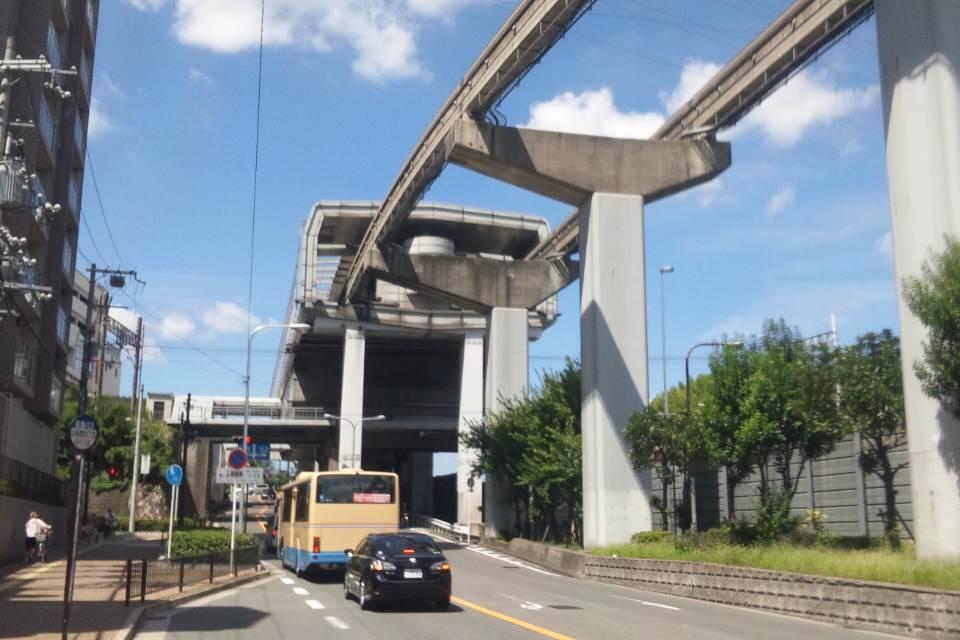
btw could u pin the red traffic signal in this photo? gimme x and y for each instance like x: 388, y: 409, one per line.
x: 249, y: 440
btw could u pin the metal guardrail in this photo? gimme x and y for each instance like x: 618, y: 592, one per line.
x: 276, y: 413
x: 143, y: 577
x: 453, y: 531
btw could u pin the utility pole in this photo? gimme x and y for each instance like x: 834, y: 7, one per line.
x: 184, y: 439
x: 137, y: 362
x: 103, y: 313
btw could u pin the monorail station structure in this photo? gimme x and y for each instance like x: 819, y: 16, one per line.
x: 385, y: 384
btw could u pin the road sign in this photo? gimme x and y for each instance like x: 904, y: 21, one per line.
x: 144, y: 464
x: 83, y: 432
x: 246, y: 475
x: 175, y: 474
x: 259, y: 451
x: 237, y: 458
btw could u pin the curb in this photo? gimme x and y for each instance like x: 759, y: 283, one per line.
x: 137, y: 616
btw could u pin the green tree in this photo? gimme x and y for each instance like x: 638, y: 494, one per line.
x: 790, y: 406
x: 534, y: 446
x: 659, y: 441
x: 871, y: 403
x: 934, y: 298
x: 114, y: 447
x: 725, y: 412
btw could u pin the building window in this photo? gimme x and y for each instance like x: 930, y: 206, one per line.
x: 158, y: 410
x: 25, y: 360
x: 68, y: 259
x: 56, y: 395
x: 62, y: 325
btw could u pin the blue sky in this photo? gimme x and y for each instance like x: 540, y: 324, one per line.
x: 797, y: 228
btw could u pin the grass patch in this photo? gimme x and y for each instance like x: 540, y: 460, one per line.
x: 878, y: 564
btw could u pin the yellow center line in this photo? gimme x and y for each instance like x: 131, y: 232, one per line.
x: 510, y: 619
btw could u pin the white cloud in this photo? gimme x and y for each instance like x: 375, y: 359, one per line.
x: 100, y: 123
x: 594, y: 113
x: 781, y: 200
x: 175, y: 325
x: 381, y: 33
x: 147, y: 5
x: 227, y: 317
x: 695, y: 74
x: 885, y: 244
x: 112, y: 88
x: 806, y: 101
x: 200, y: 77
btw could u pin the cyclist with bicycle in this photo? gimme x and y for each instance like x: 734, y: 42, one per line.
x: 33, y: 528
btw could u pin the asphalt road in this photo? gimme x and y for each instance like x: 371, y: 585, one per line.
x: 495, y: 596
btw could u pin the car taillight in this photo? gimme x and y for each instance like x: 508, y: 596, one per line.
x: 383, y: 565
x: 440, y: 566
x: 316, y: 544
x: 409, y: 551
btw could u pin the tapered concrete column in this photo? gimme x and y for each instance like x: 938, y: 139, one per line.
x: 351, y: 400
x: 919, y: 44
x: 613, y: 349
x: 471, y: 411
x: 506, y: 379
x: 421, y: 483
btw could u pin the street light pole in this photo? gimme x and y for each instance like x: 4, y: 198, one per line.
x: 298, y: 326
x: 665, y: 269
x: 354, y: 457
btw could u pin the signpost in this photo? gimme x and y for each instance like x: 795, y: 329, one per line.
x: 237, y: 461
x: 83, y: 435
x: 259, y: 451
x: 174, y: 478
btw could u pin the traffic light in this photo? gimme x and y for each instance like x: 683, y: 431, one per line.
x: 112, y: 472
x: 249, y: 441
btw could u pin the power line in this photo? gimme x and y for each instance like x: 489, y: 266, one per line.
x: 256, y: 172
x: 103, y: 211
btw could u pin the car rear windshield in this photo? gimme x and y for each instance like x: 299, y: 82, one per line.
x: 356, y: 489
x: 395, y: 546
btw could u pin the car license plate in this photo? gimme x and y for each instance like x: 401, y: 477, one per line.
x: 413, y: 573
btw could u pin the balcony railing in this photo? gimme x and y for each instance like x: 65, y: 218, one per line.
x: 54, y: 51
x: 21, y: 481
x: 47, y: 127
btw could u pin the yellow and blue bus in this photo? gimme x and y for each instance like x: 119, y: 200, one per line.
x: 320, y: 514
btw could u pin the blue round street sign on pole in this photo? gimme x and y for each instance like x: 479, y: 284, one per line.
x: 175, y: 474
x: 237, y: 458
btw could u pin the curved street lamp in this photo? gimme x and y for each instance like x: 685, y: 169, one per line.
x: 354, y: 456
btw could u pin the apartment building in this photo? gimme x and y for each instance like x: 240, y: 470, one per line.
x: 45, y: 115
x: 106, y: 357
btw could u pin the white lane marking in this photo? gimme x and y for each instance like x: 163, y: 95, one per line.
x: 502, y: 558
x: 650, y: 604
x: 300, y: 591
x: 336, y: 622
x: 286, y: 581
x: 532, y: 606
x: 313, y: 604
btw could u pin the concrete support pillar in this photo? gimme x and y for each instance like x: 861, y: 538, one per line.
x: 613, y: 348
x: 471, y: 411
x: 421, y: 482
x: 351, y: 400
x: 919, y: 44
x: 506, y: 379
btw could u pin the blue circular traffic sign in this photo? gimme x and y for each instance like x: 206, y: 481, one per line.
x: 237, y: 458
x: 175, y: 474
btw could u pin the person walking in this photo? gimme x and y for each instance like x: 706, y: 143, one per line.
x: 32, y: 528
x: 111, y: 522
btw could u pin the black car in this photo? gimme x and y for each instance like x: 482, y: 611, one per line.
x: 391, y: 566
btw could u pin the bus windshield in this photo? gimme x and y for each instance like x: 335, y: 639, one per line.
x: 356, y: 489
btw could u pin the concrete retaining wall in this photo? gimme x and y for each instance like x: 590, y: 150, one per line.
x: 903, y: 610
x: 15, y: 513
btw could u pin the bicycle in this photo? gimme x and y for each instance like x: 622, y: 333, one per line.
x: 41, y: 550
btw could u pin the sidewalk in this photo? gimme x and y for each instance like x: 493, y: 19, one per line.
x: 31, y: 596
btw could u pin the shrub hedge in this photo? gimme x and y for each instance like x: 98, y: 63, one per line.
x: 200, y: 541
x: 157, y: 524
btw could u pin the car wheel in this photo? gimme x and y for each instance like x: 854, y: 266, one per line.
x: 346, y: 588
x: 364, y: 600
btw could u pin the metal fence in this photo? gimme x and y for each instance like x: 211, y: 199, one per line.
x: 143, y: 577
x: 23, y: 481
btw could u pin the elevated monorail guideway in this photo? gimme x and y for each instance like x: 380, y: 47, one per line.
x: 804, y: 31
x: 530, y: 31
